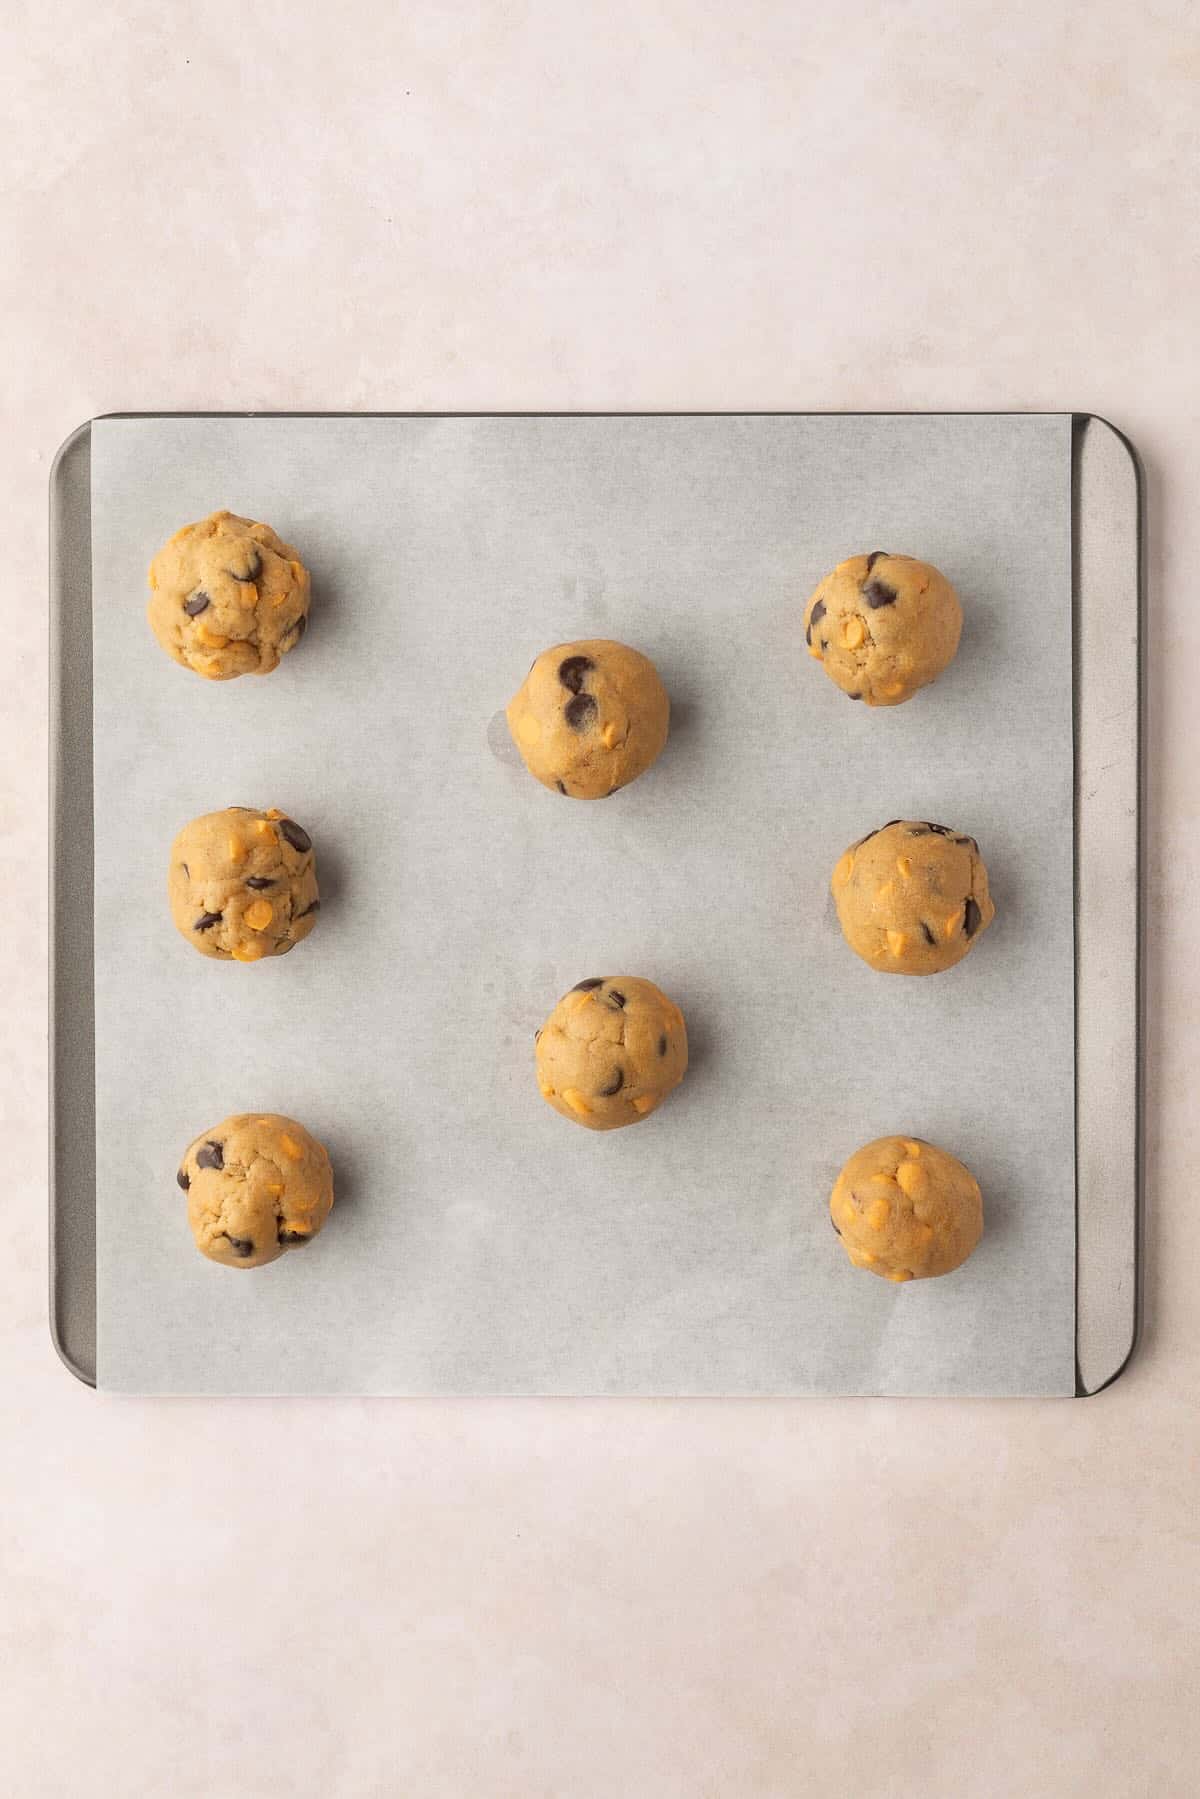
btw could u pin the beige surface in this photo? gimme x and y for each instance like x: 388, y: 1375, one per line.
x: 573, y: 206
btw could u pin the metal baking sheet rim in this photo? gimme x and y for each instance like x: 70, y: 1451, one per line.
x: 1107, y: 597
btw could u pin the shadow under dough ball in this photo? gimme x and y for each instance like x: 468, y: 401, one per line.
x: 589, y: 717
x: 883, y: 626
x: 257, y: 1184
x: 912, y: 897
x: 243, y: 884
x: 611, y: 1051
x: 228, y: 597
x: 906, y: 1209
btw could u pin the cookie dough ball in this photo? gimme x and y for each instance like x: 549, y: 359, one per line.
x: 590, y: 717
x: 611, y: 1051
x: 228, y: 597
x: 256, y: 1185
x: 883, y: 626
x: 912, y: 898
x: 243, y: 884
x: 906, y: 1209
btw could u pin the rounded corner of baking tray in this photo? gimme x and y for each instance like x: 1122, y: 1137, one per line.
x: 85, y: 1377
x: 69, y: 443
x: 1123, y: 439
x: 1135, y: 1342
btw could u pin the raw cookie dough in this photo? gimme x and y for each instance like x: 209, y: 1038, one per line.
x: 228, y: 597
x: 906, y: 1209
x: 883, y: 626
x: 912, y: 898
x: 256, y: 1185
x: 610, y: 1051
x: 590, y: 717
x: 243, y: 884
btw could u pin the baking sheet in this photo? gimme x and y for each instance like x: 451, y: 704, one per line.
x: 480, y: 1243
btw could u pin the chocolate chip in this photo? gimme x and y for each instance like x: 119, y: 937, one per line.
x: 824, y: 643
x: 560, y: 787
x: 581, y: 711
x: 814, y: 618
x: 588, y: 986
x: 877, y: 594
x: 211, y: 1156
x: 258, y: 882
x: 929, y: 936
x: 616, y: 1000
x: 206, y: 921
x: 198, y: 603
x: 537, y: 1036
x: 662, y: 1046
x: 572, y: 670
x: 252, y: 573
x: 886, y: 827
x: 298, y: 629
x: 940, y: 830
x: 184, y: 1179
x: 294, y: 1237
x: 971, y: 916
x: 315, y: 907
x: 241, y: 1246
x: 854, y: 696
x: 296, y: 835
x: 873, y: 558
x: 616, y: 1081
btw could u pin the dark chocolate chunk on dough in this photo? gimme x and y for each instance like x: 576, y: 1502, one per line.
x: 296, y: 835
x: 572, y: 670
x: 581, y: 712
x: 814, y: 618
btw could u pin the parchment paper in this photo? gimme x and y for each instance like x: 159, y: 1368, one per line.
x: 480, y: 1243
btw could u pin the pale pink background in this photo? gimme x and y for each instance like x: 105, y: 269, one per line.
x: 628, y: 205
